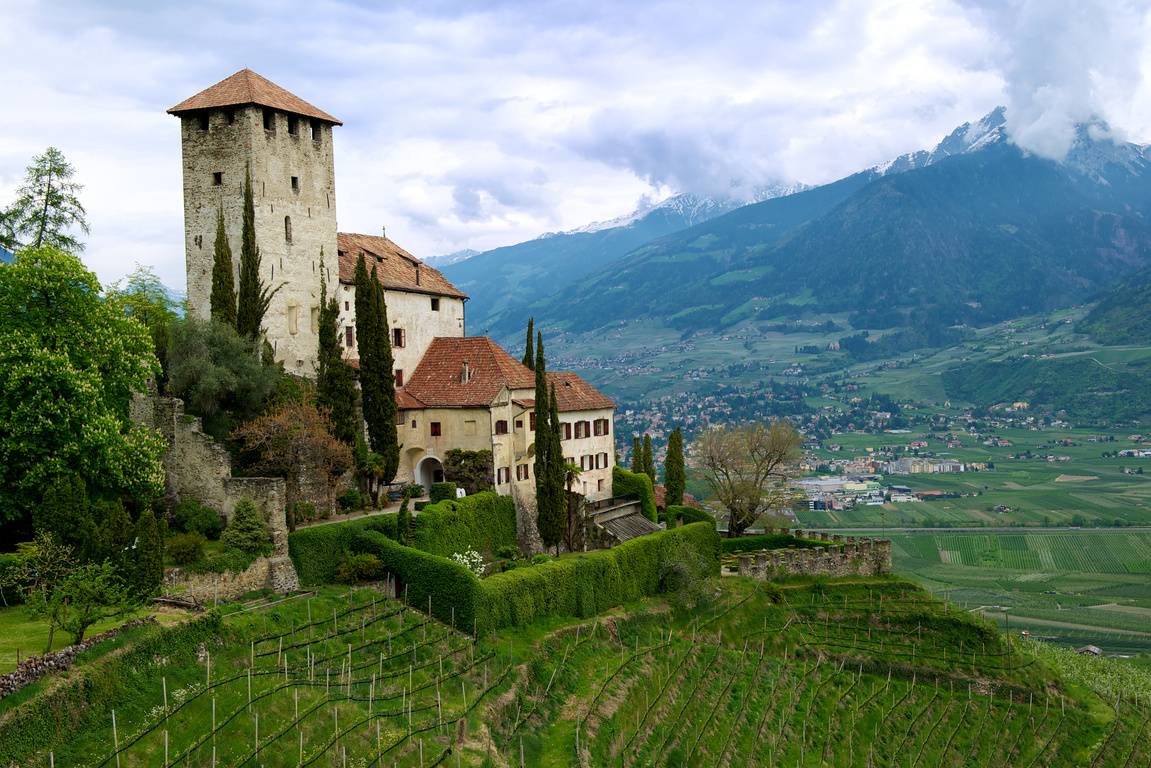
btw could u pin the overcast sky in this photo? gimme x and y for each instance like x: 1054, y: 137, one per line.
x: 474, y: 125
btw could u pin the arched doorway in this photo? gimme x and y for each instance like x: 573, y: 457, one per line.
x: 429, y: 470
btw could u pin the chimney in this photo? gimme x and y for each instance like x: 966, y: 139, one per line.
x: 417, y: 273
x: 383, y: 232
x: 465, y: 374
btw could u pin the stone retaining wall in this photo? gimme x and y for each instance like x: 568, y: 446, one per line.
x: 848, y: 556
x: 276, y: 572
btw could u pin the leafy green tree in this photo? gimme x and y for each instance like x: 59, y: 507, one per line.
x: 69, y: 363
x: 46, y: 205
x: 529, y: 360
x: 648, y: 463
x: 636, y: 456
x: 90, y: 594
x: 675, y: 473
x: 335, y: 379
x: 247, y: 530
x: 219, y: 374
x: 377, y: 377
x: 373, y: 468
x: 145, y: 564
x: 254, y: 297
x: 223, y: 298
x: 144, y: 298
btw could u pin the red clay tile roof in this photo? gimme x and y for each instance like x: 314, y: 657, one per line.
x: 436, y: 380
x: 406, y: 402
x: 395, y: 268
x: 246, y: 87
x: 575, y: 394
x: 661, y: 492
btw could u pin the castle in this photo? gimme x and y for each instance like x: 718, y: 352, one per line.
x: 453, y: 391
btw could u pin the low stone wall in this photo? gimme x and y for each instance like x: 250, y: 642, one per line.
x: 848, y: 556
x: 33, y: 668
x: 276, y: 572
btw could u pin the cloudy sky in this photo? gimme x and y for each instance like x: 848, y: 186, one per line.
x: 474, y: 125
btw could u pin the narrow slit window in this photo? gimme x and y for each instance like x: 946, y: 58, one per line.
x: 295, y: 183
x: 349, y: 337
x: 288, y: 229
x: 317, y: 131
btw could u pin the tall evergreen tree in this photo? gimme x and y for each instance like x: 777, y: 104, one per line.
x: 556, y: 476
x: 675, y: 474
x: 648, y: 463
x: 147, y: 567
x: 529, y: 360
x: 335, y: 379
x: 223, y: 299
x: 377, y: 379
x: 254, y: 297
x: 541, y: 413
x: 636, y: 456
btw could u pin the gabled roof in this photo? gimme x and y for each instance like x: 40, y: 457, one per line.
x: 437, y: 380
x: 246, y: 87
x: 395, y: 268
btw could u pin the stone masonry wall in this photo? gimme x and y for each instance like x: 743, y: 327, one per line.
x: 847, y: 556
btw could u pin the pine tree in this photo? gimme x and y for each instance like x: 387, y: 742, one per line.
x: 335, y: 379
x: 147, y: 567
x: 529, y: 360
x: 223, y: 299
x: 648, y: 464
x: 247, y: 530
x: 636, y: 456
x: 254, y: 297
x: 675, y: 474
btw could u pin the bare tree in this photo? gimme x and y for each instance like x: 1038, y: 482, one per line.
x: 749, y: 469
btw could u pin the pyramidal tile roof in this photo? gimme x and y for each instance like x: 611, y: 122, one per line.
x: 246, y: 87
x: 395, y: 268
x: 438, y: 380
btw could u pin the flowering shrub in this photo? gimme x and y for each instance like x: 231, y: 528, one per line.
x: 471, y: 560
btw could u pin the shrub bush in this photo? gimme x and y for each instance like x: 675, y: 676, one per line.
x: 624, y: 482
x: 415, y: 490
x: 190, y: 516
x: 305, y: 512
x: 690, y: 515
x: 350, y: 500
x: 774, y: 541
x: 247, y: 531
x: 588, y: 584
x: 441, y: 492
x: 485, y: 522
x: 356, y: 568
x: 12, y: 593
x: 470, y: 470
x: 316, y: 551
x: 186, y: 548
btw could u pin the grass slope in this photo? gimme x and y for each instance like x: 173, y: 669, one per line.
x: 812, y: 672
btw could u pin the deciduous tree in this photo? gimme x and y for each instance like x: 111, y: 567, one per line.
x: 69, y: 363
x: 143, y: 297
x: 46, y: 206
x: 749, y: 469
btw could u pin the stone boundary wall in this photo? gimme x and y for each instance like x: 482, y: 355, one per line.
x: 846, y: 556
x: 276, y: 572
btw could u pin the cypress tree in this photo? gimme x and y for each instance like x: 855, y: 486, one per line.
x: 223, y: 299
x: 543, y: 428
x: 147, y: 568
x: 335, y: 379
x: 254, y: 298
x: 377, y: 379
x: 367, y: 328
x: 648, y: 464
x: 388, y: 433
x: 557, y: 494
x: 636, y: 456
x: 675, y: 474
x: 529, y: 360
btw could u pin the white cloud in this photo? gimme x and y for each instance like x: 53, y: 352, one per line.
x: 478, y: 125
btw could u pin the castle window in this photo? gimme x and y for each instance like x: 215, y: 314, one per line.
x: 398, y: 338
x: 399, y: 377
x: 295, y: 183
x: 293, y: 125
x: 317, y: 131
x: 293, y: 318
x: 217, y: 178
x: 203, y: 121
x: 436, y: 431
x: 269, y: 120
x: 435, y: 305
x: 349, y: 337
x: 519, y: 424
x: 501, y: 427
x: 315, y: 318
x: 229, y: 117
x: 346, y: 306
x: 401, y: 417
x: 288, y: 229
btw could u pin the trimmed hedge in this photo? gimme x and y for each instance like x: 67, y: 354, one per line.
x: 588, y: 584
x: 441, y: 492
x: 449, y: 584
x: 484, y: 522
x: 315, y: 551
x: 690, y: 515
x: 774, y: 541
x: 624, y: 482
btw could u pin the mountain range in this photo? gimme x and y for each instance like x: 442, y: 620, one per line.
x: 972, y: 231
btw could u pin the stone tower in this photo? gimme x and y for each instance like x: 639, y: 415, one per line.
x: 248, y: 122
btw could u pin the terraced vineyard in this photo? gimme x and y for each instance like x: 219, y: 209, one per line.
x: 807, y: 673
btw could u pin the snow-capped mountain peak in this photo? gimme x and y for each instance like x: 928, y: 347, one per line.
x: 969, y: 137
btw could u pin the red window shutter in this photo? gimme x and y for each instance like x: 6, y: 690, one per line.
x: 532, y: 421
x: 349, y: 337
x: 399, y: 377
